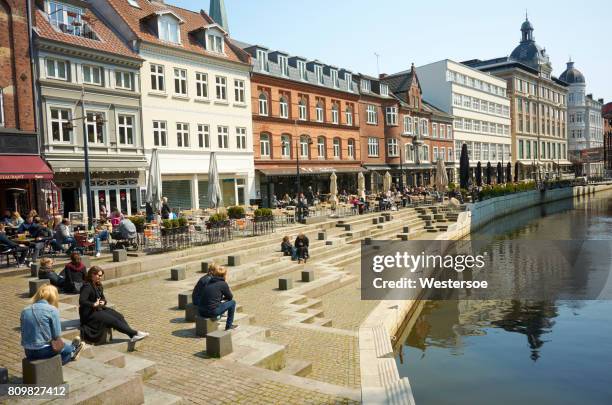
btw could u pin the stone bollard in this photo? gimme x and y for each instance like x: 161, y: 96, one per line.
x: 406, y: 229
x: 367, y: 241
x: 119, y: 255
x: 307, y: 276
x: 404, y: 237
x: 381, y: 220
x: 348, y: 227
x: 219, y: 343
x: 36, y: 284
x: 285, y: 283
x: 322, y: 235
x: 178, y: 273
x: 3, y: 375
x: 46, y: 372
x: 233, y: 260
x: 190, y: 312
x: 34, y: 267
x: 204, y: 326
x: 374, y: 221
x: 184, y: 298
x: 204, y: 267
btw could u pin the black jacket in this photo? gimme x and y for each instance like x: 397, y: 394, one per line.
x: 215, y: 291
x: 5, y: 241
x: 87, y: 299
x: 165, y: 211
x: 301, y: 243
x: 286, y: 248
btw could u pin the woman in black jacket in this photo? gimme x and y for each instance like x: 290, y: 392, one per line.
x: 301, y: 245
x: 95, y: 316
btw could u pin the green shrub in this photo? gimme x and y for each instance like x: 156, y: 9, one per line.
x: 452, y: 186
x: 166, y: 223
x: 235, y: 212
x: 217, y: 218
x: 175, y: 223
x: 182, y: 221
x: 137, y: 220
x: 263, y: 212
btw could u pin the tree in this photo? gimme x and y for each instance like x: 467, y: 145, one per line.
x: 464, y: 167
x: 479, y: 174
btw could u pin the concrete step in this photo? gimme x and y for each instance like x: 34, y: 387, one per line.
x: 300, y: 368
x: 258, y: 353
x: 322, y: 322
x: 156, y: 397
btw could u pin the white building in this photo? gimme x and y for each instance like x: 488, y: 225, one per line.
x: 585, y: 124
x: 479, y: 105
x: 195, y: 99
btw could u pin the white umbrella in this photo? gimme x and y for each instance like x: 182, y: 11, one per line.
x: 333, y: 188
x: 154, y: 186
x: 441, y: 176
x: 214, y: 189
x: 387, y: 182
x: 361, y: 185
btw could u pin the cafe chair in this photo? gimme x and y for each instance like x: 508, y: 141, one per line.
x: 83, y: 244
x: 8, y: 252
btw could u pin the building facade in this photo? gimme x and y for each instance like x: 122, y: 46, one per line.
x: 302, y: 110
x: 24, y: 177
x: 538, y: 107
x: 479, y: 106
x: 606, y: 113
x: 417, y: 133
x: 195, y: 99
x: 90, y: 87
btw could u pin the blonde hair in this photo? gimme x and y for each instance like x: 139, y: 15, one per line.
x: 46, y: 262
x: 48, y: 293
x: 217, y: 271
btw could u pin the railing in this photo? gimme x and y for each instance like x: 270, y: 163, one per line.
x: 156, y: 239
x: 262, y: 226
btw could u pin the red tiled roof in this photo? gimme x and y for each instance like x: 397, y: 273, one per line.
x: 191, y: 21
x: 108, y: 41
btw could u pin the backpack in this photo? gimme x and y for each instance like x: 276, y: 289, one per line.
x: 198, y: 290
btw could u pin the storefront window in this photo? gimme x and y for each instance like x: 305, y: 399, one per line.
x: 228, y: 190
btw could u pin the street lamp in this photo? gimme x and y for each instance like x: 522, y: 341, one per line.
x: 417, y: 142
x: 298, y: 145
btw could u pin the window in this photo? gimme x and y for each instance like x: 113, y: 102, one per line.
x: 350, y: 151
x: 485, y: 151
x: 301, y: 65
x: 264, y: 145
x: 214, y: 43
x: 424, y: 127
x: 391, y: 115
x: 304, y: 146
x: 157, y: 78
x: 349, y: 81
x: 528, y: 151
x: 57, y: 69
x: 337, y: 148
x: 160, y: 136
x: 60, y: 128
x: 1, y: 107
x: 334, y: 78
x: 449, y: 132
x: 92, y: 75
x: 180, y: 82
x: 435, y: 153
x: 434, y: 130
x: 319, y: 73
x: 168, y: 29
x: 442, y: 154
x: 319, y: 111
x: 409, y: 152
x: 284, y: 108
x: 321, y: 147
x: 335, y: 114
x: 95, y: 127
x: 349, y: 116
x: 365, y: 85
x: 450, y: 154
x: 240, y: 138
x: 425, y: 153
x: 286, y: 146
x: 262, y: 60
x: 182, y: 135
x: 441, y: 129
x: 126, y: 129
x: 221, y: 88
x: 263, y: 104
x: 123, y: 80
x: 477, y: 155
x: 203, y: 136
x: 284, y: 65
x: 223, y: 137
x: 407, y: 124
x: 384, y: 90
x: 239, y: 91
x: 201, y: 84
x: 371, y: 114
x: 303, y: 113
x: 372, y: 146
x: 392, y: 147
x: 458, y: 145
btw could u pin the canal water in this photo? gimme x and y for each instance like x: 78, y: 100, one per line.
x: 508, y: 352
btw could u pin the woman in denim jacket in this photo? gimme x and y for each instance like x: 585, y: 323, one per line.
x: 40, y: 324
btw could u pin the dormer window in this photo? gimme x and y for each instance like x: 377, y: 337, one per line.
x: 365, y: 85
x: 168, y: 29
x: 349, y: 81
x: 262, y: 60
x: 319, y: 73
x: 69, y: 19
x: 214, y: 43
x: 384, y: 90
x: 302, y: 69
x: 284, y: 65
x: 334, y: 78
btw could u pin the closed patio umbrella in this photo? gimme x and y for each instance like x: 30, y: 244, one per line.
x: 509, y: 173
x: 214, y: 189
x: 489, y: 173
x: 500, y: 173
x: 154, y: 183
x: 333, y: 188
x: 441, y: 176
x: 387, y: 182
x: 478, y: 174
x: 361, y: 185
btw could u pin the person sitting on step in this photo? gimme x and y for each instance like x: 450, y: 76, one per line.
x: 94, y: 314
x: 216, y: 297
x: 46, y: 272
x: 41, y: 329
x: 74, y: 274
x: 287, y: 248
x: 301, y: 245
x: 18, y: 248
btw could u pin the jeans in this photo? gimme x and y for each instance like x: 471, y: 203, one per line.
x: 102, y: 235
x: 54, y: 278
x: 70, y: 241
x: 47, y: 353
x: 36, y: 248
x: 294, y: 254
x: 227, y: 306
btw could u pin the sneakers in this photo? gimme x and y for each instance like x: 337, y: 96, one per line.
x: 232, y: 327
x: 139, y: 336
x: 97, y: 254
x: 78, y: 348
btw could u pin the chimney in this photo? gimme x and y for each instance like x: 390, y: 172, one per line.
x: 601, y: 100
x: 382, y: 75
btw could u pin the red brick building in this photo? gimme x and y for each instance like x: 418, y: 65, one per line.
x: 22, y: 172
x: 412, y: 124
x: 606, y: 112
x: 303, y: 110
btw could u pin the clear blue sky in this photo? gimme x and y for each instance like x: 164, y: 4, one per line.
x: 346, y: 33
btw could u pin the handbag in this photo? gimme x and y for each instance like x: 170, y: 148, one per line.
x: 56, y: 344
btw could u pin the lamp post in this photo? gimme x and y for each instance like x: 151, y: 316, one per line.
x: 416, y: 141
x: 297, y: 166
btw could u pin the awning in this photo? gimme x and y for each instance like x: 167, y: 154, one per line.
x: 305, y: 171
x: 24, y: 167
x: 97, y: 166
x: 377, y: 167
